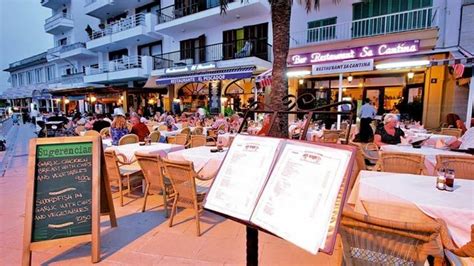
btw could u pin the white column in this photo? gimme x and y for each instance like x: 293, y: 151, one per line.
x: 470, y: 103
x: 52, y: 105
x: 339, y: 98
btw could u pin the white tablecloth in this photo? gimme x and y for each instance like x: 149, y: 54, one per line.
x: 169, y: 133
x: 313, y: 135
x: 455, y: 208
x: 429, y: 153
x: 433, y: 138
x: 155, y: 148
x: 203, y: 159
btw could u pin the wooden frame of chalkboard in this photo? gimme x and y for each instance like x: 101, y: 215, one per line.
x: 62, y: 194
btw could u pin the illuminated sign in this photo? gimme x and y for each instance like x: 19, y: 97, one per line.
x: 182, y: 69
x: 343, y: 67
x: 362, y: 52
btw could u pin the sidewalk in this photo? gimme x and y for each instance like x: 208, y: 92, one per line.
x: 140, y: 238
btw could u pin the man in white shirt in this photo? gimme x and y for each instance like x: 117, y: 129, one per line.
x: 465, y: 142
x: 366, y: 114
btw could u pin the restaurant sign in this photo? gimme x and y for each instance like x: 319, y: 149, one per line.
x: 362, y: 52
x: 203, y: 78
x: 182, y: 69
x: 343, y: 67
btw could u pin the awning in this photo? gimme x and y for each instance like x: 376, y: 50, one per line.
x: 152, y: 84
x: 265, y: 79
x: 209, y: 75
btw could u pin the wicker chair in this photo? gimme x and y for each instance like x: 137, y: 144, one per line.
x: 221, y: 128
x: 120, y: 174
x: 331, y: 136
x: 128, y: 139
x: 92, y: 133
x: 186, y: 131
x: 155, y: 182
x: 463, y: 165
x: 457, y: 132
x: 198, y: 131
x: 162, y: 128
x: 105, y: 132
x: 187, y: 194
x: 155, y: 136
x: 197, y: 141
x: 171, y: 139
x: 182, y: 139
x: 399, y: 162
x: 79, y: 129
x: 373, y: 241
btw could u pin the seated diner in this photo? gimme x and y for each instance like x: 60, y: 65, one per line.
x: 389, y: 133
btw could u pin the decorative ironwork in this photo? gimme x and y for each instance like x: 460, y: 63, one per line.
x: 193, y: 88
x: 234, y: 87
x: 297, y: 105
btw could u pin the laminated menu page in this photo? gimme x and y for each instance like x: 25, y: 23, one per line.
x: 243, y: 173
x: 288, y: 188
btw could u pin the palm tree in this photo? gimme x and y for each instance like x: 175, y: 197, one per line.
x: 281, y: 14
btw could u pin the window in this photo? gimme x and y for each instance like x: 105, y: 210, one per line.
x: 363, y: 26
x: 194, y: 49
x: 20, y: 79
x: 39, y: 75
x: 29, y: 77
x: 62, y: 42
x: 322, y: 30
x: 255, y: 35
x: 14, y: 80
x: 50, y: 73
x: 118, y: 54
x: 150, y: 49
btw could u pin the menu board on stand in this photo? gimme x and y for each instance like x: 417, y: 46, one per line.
x: 63, y: 194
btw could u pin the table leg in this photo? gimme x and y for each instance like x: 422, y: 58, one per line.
x: 252, y: 246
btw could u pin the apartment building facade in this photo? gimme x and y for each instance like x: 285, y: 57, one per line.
x: 382, y: 50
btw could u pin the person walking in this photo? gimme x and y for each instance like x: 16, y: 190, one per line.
x: 366, y: 114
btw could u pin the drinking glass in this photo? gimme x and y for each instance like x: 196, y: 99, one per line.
x: 450, y: 180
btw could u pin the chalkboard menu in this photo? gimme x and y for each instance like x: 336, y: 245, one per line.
x: 63, y: 191
x: 63, y: 194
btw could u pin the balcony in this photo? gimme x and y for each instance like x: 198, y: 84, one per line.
x: 75, y: 80
x: 132, y: 30
x: 58, y: 23
x: 197, y: 17
x: 104, y: 9
x: 54, y: 4
x: 120, y: 70
x: 238, y: 53
x: 413, y: 20
x: 72, y: 51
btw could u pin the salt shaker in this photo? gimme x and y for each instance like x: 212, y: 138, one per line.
x: 441, y: 180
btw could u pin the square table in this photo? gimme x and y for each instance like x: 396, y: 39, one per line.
x: 455, y: 208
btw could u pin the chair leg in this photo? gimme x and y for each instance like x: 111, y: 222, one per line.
x: 120, y: 192
x: 173, y: 210
x: 128, y: 185
x: 198, y: 228
x: 165, y: 203
x: 146, y: 196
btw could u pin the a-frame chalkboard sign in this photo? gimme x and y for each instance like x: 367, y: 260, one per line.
x: 63, y: 194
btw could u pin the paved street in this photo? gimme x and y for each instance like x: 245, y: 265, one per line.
x: 140, y: 238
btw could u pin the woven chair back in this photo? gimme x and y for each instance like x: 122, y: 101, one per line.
x: 111, y: 164
x: 186, y: 131
x: 152, y: 170
x: 181, y: 139
x: 128, y: 139
x: 162, y: 128
x: 181, y: 175
x: 457, y: 132
x: 331, y: 136
x: 373, y: 241
x: 155, y: 136
x: 92, y: 133
x: 198, y: 140
x: 198, y: 131
x: 79, y: 129
x: 463, y: 166
x: 399, y: 162
x: 105, y: 132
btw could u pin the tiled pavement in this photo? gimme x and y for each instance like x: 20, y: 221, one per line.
x: 140, y: 238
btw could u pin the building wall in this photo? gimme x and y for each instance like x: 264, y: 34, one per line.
x: 467, y: 31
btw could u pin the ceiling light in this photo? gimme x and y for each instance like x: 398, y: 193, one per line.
x: 404, y: 64
x: 301, y: 81
x: 410, y: 75
x: 349, y: 79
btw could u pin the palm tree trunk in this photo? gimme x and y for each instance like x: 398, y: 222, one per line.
x: 281, y: 14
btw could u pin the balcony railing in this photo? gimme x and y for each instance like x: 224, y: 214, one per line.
x: 66, y: 48
x: 170, y: 13
x: 68, y: 78
x: 120, y: 25
x: 128, y: 62
x: 215, y: 52
x: 417, y: 19
x: 60, y: 15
